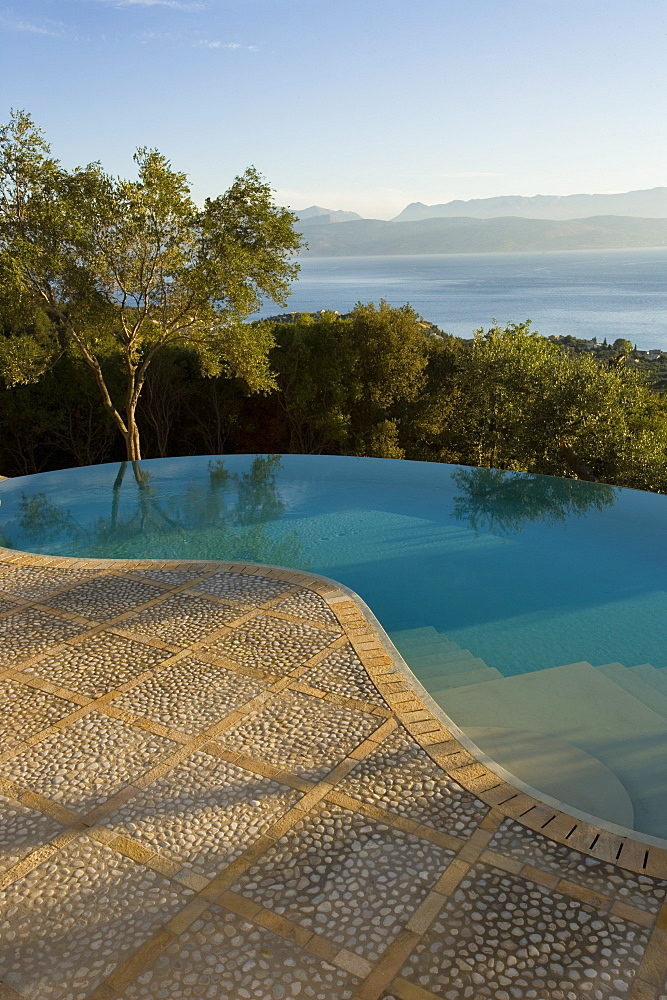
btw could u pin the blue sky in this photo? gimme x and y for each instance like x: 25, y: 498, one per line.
x: 355, y: 104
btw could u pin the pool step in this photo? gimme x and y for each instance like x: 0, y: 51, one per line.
x: 414, y: 636
x: 437, y: 662
x: 654, y: 676
x: 635, y: 685
x: 436, y: 657
x: 448, y: 682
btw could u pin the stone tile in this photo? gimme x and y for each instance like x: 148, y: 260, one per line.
x: 355, y: 881
x: 105, y: 597
x: 500, y: 936
x: 515, y: 841
x: 247, y: 591
x: 189, y: 695
x: 181, y: 619
x: 203, y: 813
x: 401, y: 777
x: 342, y: 673
x: 270, y: 645
x: 83, y: 764
x: 6, y: 605
x: 301, y: 734
x: 307, y: 604
x: 98, y: 664
x: 27, y: 711
x: 224, y: 957
x: 32, y: 583
x: 72, y: 920
x: 22, y: 830
x: 30, y: 632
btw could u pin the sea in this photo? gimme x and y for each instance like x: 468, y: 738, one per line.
x: 584, y: 293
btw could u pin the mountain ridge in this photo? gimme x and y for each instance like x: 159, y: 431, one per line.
x: 645, y: 204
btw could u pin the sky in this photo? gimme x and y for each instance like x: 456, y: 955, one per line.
x: 362, y: 105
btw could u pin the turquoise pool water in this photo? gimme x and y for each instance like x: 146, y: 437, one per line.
x: 533, y: 609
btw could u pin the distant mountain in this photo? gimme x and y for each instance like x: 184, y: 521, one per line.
x: 324, y: 216
x: 366, y: 237
x: 650, y: 204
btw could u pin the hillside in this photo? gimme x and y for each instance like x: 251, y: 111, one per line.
x: 367, y: 237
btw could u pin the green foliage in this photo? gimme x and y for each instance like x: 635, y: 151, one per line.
x: 622, y: 346
x: 521, y: 403
x: 124, y: 269
x: 347, y: 384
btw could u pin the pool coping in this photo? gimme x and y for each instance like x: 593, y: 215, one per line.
x: 425, y: 720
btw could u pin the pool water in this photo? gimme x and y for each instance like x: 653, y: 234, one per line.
x: 533, y: 609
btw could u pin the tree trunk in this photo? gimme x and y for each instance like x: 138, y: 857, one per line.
x: 575, y: 464
x: 132, y: 437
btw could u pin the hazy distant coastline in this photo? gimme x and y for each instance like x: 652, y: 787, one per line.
x: 634, y: 219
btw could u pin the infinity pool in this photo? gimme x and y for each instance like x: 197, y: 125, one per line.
x: 532, y: 609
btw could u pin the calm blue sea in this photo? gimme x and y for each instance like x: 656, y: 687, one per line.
x: 588, y: 293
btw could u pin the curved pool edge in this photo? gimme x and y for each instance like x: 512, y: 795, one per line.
x: 448, y: 746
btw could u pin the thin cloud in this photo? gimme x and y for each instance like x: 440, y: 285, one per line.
x: 51, y: 28
x: 170, y: 4
x: 205, y: 44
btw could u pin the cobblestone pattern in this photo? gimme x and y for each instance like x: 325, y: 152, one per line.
x: 248, y: 591
x: 340, y: 886
x: 98, y: 664
x: 300, y: 734
x: 270, y: 645
x: 21, y: 831
x: 32, y: 583
x: 352, y: 879
x: 26, y: 711
x: 29, y: 632
x: 224, y: 957
x: 170, y: 577
x: 307, y: 604
x: 104, y: 598
x: 342, y: 673
x: 203, y: 813
x: 189, y: 695
x: 401, y: 777
x: 513, y: 840
x: 94, y: 907
x: 502, y: 937
x: 83, y: 764
x: 181, y: 619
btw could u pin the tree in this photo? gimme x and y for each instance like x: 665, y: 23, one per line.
x: 346, y: 384
x: 123, y: 269
x: 622, y: 346
x: 518, y: 402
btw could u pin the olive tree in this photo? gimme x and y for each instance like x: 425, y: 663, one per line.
x: 122, y: 269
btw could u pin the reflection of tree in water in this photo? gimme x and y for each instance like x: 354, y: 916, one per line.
x: 224, y: 518
x: 43, y: 521
x: 502, y: 502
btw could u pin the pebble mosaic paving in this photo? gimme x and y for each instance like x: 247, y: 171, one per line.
x: 217, y: 781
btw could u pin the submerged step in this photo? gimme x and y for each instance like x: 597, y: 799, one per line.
x: 583, y: 706
x: 476, y: 675
x: 636, y: 686
x: 434, y: 657
x: 415, y: 636
x: 654, y: 676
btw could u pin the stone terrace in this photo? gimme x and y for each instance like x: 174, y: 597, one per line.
x: 217, y: 782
